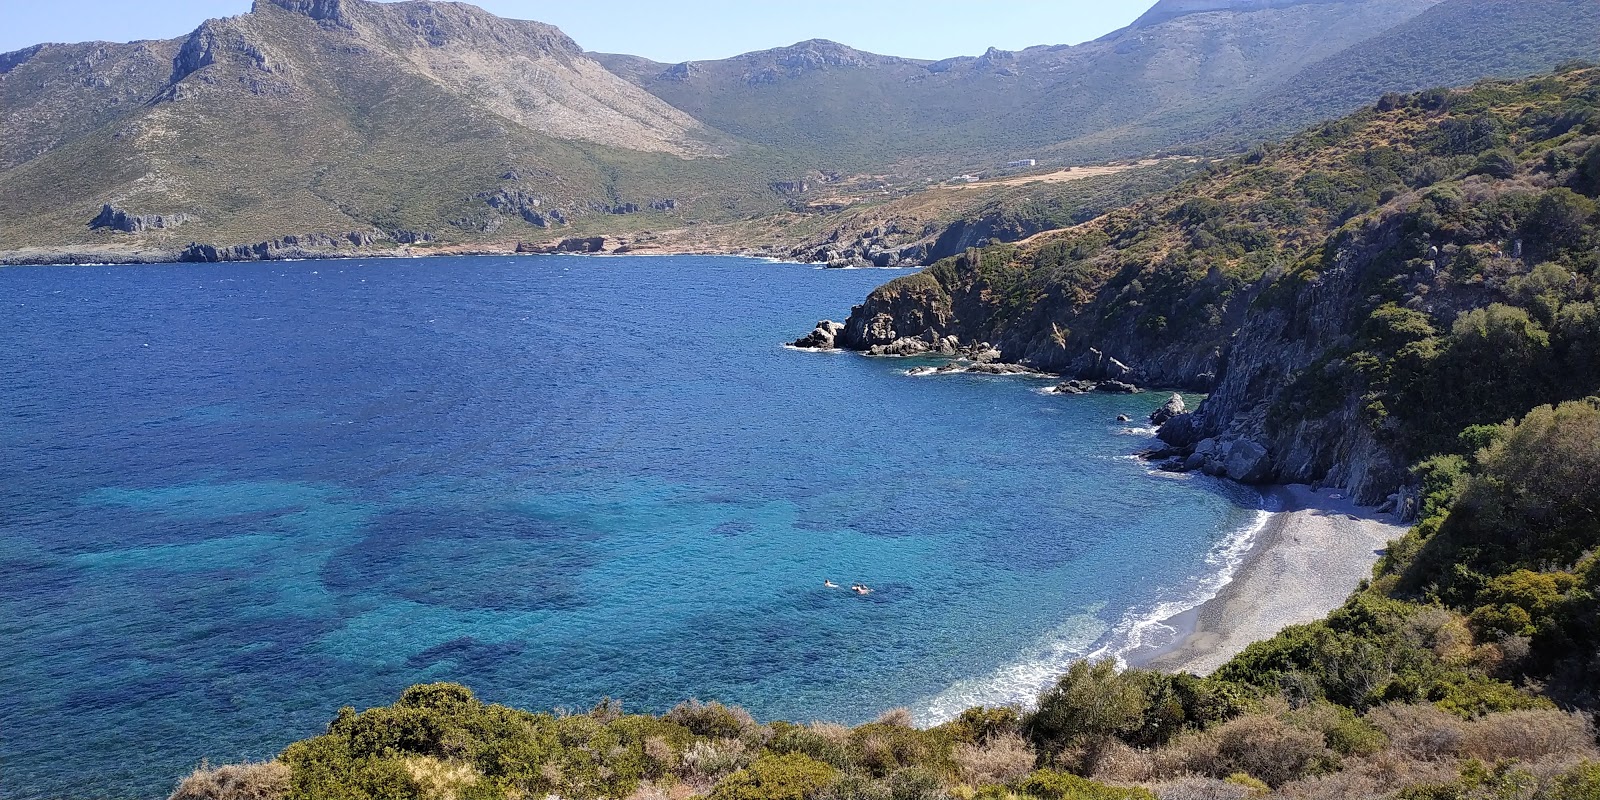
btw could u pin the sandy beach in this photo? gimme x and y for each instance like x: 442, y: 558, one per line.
x: 1306, y: 561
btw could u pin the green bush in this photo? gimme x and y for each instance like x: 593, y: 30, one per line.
x: 1049, y: 785
x: 787, y: 777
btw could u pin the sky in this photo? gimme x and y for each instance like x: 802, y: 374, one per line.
x: 670, y: 32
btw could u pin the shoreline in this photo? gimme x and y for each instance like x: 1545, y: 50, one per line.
x: 1312, y: 553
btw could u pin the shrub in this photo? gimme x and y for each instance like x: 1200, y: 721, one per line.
x: 1196, y: 788
x: 979, y: 725
x: 1049, y: 785
x: 825, y: 743
x: 713, y: 720
x: 1528, y: 736
x: 1003, y: 759
x: 787, y: 777
x: 264, y: 781
x: 1259, y: 745
x: 1342, y: 731
x: 706, y: 761
x: 1420, y: 731
x: 1090, y: 703
x: 897, y: 717
x: 1581, y: 783
x: 916, y: 783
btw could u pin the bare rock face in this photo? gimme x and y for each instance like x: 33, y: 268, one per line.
x: 116, y: 219
x: 822, y: 338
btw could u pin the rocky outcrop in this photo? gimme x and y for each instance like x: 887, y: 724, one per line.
x: 966, y: 367
x: 331, y: 12
x: 412, y: 237
x: 915, y: 307
x: 316, y: 245
x: 116, y: 219
x: 1244, y: 360
x: 822, y: 338
x: 581, y: 244
x: 1172, y: 408
x: 1235, y: 432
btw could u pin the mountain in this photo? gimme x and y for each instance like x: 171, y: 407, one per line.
x: 408, y: 120
x: 1351, y: 299
x: 312, y: 127
x: 851, y: 110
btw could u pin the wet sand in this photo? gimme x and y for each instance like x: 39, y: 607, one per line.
x: 1305, y: 563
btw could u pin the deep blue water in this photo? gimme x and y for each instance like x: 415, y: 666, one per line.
x: 234, y: 498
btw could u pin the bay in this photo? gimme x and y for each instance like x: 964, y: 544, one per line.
x: 234, y: 498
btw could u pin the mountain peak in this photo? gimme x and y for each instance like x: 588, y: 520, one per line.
x: 1172, y: 9
x: 320, y: 10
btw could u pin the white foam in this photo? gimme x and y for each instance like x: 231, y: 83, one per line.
x: 1140, y: 628
x: 1020, y: 682
x: 814, y: 349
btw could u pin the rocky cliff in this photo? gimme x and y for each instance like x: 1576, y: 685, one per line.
x: 1351, y: 299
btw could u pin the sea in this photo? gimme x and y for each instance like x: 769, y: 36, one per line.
x: 236, y: 497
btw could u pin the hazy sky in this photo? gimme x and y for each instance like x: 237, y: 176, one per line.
x: 684, y: 30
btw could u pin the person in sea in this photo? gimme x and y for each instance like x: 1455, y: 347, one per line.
x: 829, y: 584
x: 861, y: 589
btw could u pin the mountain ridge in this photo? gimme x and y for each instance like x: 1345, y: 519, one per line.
x: 434, y: 125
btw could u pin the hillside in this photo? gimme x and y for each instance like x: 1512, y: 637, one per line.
x: 1342, y: 295
x: 850, y: 110
x: 407, y: 121
x: 348, y: 126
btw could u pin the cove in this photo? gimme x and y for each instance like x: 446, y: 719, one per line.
x: 234, y: 498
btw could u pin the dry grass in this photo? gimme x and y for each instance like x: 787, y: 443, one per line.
x: 1529, y: 736
x: 440, y: 780
x: 1004, y: 759
x: 1420, y: 732
x: 713, y: 719
x: 1115, y: 762
x: 898, y: 717
x: 268, y: 780
x: 1196, y: 788
x: 1259, y: 745
x: 705, y: 762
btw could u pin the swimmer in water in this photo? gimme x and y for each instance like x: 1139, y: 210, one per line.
x: 829, y: 584
x: 861, y: 589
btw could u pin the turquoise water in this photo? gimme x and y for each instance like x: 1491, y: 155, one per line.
x: 234, y: 498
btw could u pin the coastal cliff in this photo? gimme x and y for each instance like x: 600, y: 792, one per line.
x: 1350, y: 299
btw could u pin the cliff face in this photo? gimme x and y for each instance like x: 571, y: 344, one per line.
x: 1351, y: 299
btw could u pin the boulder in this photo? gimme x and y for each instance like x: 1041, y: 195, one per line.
x: 822, y: 338
x: 990, y: 368
x: 905, y: 346
x: 1180, y: 431
x: 1172, y: 408
x: 1075, y: 386
x: 1118, y: 387
x: 1247, y: 462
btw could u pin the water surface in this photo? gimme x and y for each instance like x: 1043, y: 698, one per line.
x: 234, y: 498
